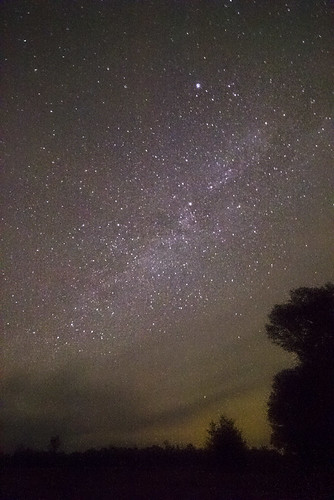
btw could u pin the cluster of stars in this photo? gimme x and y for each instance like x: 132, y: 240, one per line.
x: 151, y: 191
x: 168, y: 179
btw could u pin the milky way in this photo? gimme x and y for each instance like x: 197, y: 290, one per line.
x: 168, y: 177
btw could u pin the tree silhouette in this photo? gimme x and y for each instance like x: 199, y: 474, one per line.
x: 305, y: 324
x: 225, y: 443
x: 54, y: 444
x: 301, y: 405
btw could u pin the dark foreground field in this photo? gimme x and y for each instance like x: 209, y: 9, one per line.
x: 162, y: 482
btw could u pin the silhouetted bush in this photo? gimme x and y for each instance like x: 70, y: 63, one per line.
x: 226, y: 445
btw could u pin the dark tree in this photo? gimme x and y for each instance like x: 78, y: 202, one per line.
x: 225, y: 443
x: 301, y: 405
x: 301, y: 413
x: 305, y: 324
x: 54, y: 444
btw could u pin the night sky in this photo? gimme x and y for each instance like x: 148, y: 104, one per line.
x: 168, y: 177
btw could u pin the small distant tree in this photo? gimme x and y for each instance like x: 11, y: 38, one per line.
x: 167, y: 445
x: 225, y: 443
x: 54, y: 444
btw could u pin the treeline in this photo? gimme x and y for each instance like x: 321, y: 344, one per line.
x: 254, y: 459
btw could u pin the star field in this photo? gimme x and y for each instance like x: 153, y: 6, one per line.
x: 168, y: 177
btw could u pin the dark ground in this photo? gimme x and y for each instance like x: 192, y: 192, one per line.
x: 160, y: 482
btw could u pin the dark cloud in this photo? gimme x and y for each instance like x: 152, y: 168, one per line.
x: 65, y: 402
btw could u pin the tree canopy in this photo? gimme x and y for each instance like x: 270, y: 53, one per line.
x: 301, y: 404
x: 305, y: 324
